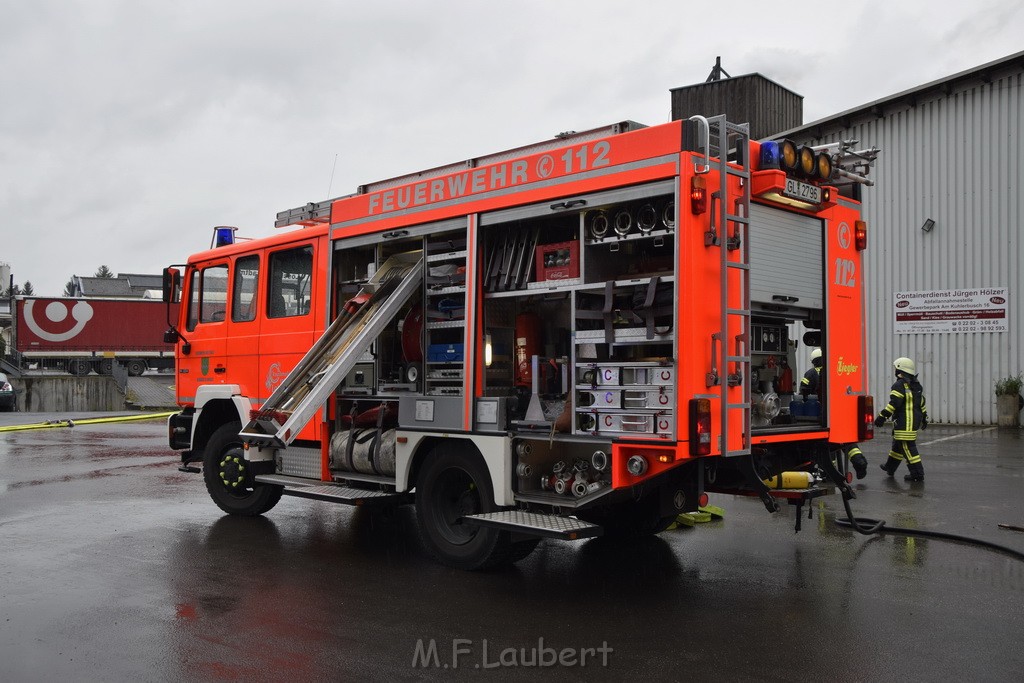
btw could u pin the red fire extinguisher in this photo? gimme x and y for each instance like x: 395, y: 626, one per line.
x: 528, y: 344
x: 785, y: 384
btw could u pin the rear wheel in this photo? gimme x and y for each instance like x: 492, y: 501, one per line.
x: 135, y: 367
x: 224, y: 468
x: 452, y: 484
x: 79, y: 367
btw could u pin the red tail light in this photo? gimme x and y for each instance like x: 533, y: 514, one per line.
x: 866, y: 418
x: 700, y: 426
x: 698, y: 195
x: 860, y: 233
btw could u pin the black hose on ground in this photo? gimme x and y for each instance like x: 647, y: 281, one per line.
x: 867, y: 526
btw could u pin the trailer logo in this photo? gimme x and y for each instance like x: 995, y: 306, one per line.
x: 57, y: 312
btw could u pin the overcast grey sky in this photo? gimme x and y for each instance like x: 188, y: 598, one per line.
x: 128, y: 128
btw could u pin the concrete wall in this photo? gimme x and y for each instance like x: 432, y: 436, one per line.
x: 68, y: 394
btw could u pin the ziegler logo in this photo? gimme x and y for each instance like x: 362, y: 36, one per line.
x: 845, y: 369
x: 57, y: 312
x: 274, y: 375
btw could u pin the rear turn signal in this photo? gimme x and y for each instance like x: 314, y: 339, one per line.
x: 700, y: 426
x: 698, y: 195
x: 860, y: 235
x: 866, y: 418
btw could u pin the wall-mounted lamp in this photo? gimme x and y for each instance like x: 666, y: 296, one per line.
x: 488, y: 353
x: 928, y: 225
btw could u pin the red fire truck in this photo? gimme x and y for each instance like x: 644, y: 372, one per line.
x: 581, y: 336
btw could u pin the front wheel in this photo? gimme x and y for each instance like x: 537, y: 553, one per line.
x: 224, y: 468
x: 454, y: 483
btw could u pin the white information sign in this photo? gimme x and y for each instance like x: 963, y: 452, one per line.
x: 951, y: 310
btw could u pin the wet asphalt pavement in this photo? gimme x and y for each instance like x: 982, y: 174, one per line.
x: 115, y: 566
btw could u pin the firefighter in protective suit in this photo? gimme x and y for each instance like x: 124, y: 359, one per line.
x: 812, y: 384
x: 908, y: 411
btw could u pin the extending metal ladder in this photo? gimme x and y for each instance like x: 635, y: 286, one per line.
x: 728, y: 150
x: 311, y: 382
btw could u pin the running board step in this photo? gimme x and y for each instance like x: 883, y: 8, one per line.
x: 336, y: 493
x: 536, y: 524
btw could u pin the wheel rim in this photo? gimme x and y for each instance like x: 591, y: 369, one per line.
x: 455, y: 497
x: 231, y: 473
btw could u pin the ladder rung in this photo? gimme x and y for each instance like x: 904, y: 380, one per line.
x: 736, y: 218
x: 737, y: 359
x: 738, y: 311
x: 738, y: 405
x: 738, y: 172
x: 740, y: 266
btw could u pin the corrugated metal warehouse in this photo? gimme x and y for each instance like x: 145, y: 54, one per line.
x: 945, y: 218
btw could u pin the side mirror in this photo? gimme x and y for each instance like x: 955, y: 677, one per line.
x: 171, y: 285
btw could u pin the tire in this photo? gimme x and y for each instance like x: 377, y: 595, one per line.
x: 135, y: 367
x: 223, y: 464
x: 79, y: 367
x: 105, y: 366
x: 455, y: 482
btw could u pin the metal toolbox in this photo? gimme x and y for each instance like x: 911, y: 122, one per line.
x: 600, y: 422
x: 628, y: 399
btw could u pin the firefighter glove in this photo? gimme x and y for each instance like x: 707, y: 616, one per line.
x: 879, y: 421
x: 924, y: 422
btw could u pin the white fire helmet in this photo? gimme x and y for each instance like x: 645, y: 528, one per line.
x: 816, y: 353
x: 905, y: 365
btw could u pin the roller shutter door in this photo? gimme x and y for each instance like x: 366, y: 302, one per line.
x: 786, y: 256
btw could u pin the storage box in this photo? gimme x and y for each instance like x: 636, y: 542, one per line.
x: 557, y: 261
x: 444, y: 353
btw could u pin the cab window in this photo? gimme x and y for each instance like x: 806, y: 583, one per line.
x: 243, y: 289
x: 289, y: 282
x: 208, y: 296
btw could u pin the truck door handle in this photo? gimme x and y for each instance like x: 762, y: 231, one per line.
x: 220, y: 369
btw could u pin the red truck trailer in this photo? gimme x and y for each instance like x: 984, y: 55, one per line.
x: 90, y: 334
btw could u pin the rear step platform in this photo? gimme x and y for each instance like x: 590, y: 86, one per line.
x: 536, y: 524
x: 334, y: 493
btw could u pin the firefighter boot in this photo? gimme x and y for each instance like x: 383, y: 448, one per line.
x: 860, y: 465
x: 916, y: 472
x: 890, y: 465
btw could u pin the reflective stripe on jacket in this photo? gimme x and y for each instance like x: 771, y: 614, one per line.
x: 906, y: 408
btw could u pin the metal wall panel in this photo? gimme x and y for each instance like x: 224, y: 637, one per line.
x: 760, y: 102
x: 954, y: 157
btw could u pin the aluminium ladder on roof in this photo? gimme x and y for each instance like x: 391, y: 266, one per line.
x: 730, y: 227
x: 311, y: 382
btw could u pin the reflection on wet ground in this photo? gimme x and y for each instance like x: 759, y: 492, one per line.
x: 116, y: 566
